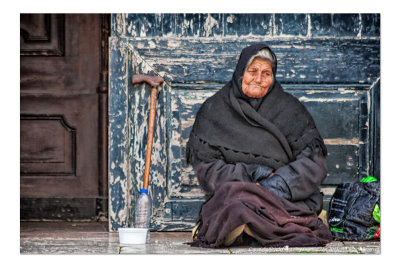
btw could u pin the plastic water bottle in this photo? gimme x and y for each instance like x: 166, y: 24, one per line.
x: 143, y: 211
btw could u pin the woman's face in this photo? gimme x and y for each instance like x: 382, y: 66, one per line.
x: 257, y: 78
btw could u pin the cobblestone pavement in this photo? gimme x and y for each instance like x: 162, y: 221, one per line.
x: 93, y: 238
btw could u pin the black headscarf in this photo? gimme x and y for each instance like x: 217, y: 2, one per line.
x: 228, y: 127
x: 244, y: 58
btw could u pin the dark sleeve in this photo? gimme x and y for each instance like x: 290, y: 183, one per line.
x: 217, y: 171
x: 304, y: 175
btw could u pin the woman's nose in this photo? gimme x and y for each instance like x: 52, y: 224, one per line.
x: 258, y: 77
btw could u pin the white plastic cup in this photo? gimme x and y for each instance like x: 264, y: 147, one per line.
x: 132, y: 236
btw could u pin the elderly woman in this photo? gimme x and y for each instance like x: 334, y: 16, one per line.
x: 260, y: 159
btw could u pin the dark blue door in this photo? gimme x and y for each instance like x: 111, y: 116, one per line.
x: 329, y: 62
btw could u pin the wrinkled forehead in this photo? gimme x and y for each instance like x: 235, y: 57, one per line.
x: 259, y: 62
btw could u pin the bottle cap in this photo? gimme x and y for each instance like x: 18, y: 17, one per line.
x: 144, y: 191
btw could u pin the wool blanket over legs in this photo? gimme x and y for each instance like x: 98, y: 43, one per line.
x: 238, y: 208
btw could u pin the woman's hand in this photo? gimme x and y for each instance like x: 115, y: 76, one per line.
x: 277, y: 185
x: 267, y: 178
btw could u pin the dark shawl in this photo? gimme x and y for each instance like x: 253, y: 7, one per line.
x: 272, y: 135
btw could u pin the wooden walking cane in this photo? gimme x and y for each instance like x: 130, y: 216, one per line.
x: 154, y: 82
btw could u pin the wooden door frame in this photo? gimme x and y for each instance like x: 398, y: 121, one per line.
x: 102, y: 90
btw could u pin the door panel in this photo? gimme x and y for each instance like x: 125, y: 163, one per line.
x: 69, y: 126
x: 306, y: 61
x: 42, y: 34
x: 56, y: 155
x: 182, y: 182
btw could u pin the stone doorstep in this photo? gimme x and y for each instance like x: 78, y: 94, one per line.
x: 164, y: 243
x: 79, y: 238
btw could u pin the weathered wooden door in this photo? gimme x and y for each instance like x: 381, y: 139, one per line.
x: 63, y: 111
x: 329, y: 62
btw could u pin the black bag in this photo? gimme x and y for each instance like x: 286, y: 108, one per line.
x: 354, y: 211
